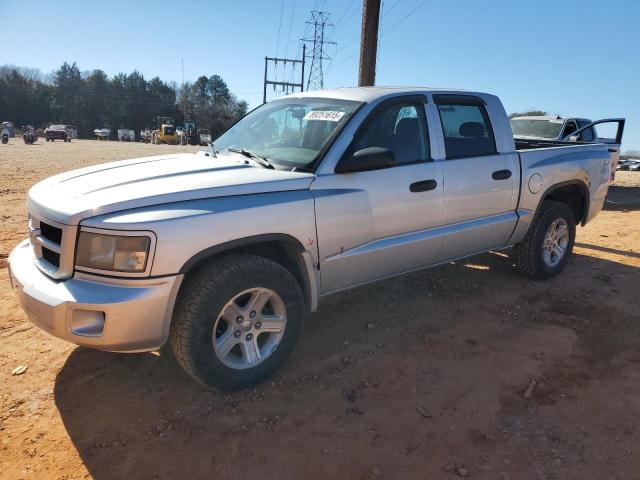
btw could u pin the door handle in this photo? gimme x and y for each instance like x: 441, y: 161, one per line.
x: 501, y: 175
x: 423, y: 186
x: 612, y: 150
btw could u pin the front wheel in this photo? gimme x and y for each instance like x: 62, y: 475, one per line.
x: 236, y: 321
x: 548, y: 245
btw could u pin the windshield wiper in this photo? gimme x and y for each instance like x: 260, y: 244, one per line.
x: 256, y: 158
x: 212, y: 149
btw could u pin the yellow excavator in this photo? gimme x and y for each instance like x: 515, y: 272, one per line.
x: 166, y: 131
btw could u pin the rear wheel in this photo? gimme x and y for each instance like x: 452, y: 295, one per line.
x: 236, y: 321
x: 548, y: 245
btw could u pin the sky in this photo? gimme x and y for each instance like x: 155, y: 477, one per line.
x: 568, y: 57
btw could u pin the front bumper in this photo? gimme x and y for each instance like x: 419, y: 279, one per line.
x: 104, y: 313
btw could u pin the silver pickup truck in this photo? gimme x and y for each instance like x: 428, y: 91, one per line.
x: 222, y: 253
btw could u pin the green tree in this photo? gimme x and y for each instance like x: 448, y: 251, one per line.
x: 531, y: 113
x: 93, y: 100
x: 67, y: 98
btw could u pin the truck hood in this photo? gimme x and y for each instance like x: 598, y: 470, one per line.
x: 73, y: 196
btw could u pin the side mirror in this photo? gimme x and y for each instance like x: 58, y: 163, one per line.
x: 370, y: 158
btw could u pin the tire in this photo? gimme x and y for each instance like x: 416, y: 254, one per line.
x: 207, y: 295
x: 531, y: 257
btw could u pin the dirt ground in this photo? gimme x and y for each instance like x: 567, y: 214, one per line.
x: 419, y: 377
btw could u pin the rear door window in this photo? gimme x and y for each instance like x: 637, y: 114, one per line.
x: 466, y: 127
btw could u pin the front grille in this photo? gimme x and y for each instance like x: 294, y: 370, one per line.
x: 51, y: 233
x: 52, y: 257
x: 52, y: 246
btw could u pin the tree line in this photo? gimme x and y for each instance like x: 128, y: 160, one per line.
x: 90, y: 100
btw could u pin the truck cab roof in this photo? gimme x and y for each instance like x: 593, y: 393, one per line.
x: 369, y: 94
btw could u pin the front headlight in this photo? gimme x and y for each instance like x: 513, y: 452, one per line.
x: 117, y: 253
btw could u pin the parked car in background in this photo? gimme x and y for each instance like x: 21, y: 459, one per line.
x: 551, y: 127
x: 181, y: 134
x: 102, y: 133
x: 624, y: 164
x: 634, y: 167
x: 146, y: 135
x: 126, y: 135
x: 57, y: 132
x: 9, y: 128
x: 72, y: 131
x: 547, y: 131
x: 205, y: 136
x: 222, y: 253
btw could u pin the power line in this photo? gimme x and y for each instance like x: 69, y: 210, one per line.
x: 378, y: 42
x: 348, y: 17
x: 343, y: 46
x: 279, y: 26
x: 424, y: 2
x: 293, y: 9
x: 344, y: 13
x: 391, y: 8
x: 300, y: 45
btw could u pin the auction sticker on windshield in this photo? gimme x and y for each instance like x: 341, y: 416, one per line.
x: 328, y: 115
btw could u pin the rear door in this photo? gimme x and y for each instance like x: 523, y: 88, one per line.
x: 480, y: 184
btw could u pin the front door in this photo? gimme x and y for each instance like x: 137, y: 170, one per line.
x: 379, y: 223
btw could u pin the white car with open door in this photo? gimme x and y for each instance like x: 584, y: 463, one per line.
x: 549, y: 130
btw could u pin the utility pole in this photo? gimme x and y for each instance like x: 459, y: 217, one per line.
x: 369, y: 43
x: 319, y: 20
x: 284, y: 86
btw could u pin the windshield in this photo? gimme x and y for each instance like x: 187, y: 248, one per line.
x: 542, y: 128
x: 290, y: 132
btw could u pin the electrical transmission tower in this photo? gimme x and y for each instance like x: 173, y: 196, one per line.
x: 319, y: 20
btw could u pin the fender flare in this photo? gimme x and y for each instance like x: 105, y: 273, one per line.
x: 585, y: 196
x: 305, y: 264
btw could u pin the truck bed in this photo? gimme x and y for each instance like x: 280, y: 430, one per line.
x: 531, y: 144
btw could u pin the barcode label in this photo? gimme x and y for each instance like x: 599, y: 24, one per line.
x: 327, y: 115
